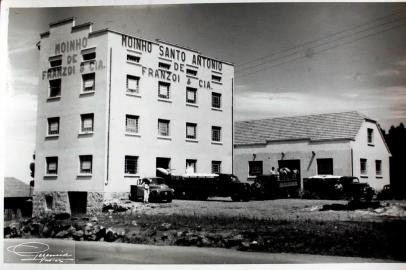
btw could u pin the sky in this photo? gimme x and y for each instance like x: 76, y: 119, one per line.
x: 290, y: 58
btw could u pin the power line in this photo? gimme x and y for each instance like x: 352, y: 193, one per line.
x: 321, y: 51
x: 320, y: 45
x: 321, y: 39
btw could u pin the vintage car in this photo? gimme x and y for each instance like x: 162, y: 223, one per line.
x: 336, y: 187
x: 159, y: 190
x: 385, y: 193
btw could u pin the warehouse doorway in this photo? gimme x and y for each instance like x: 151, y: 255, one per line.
x: 164, y: 163
x: 291, y: 164
x: 78, y: 202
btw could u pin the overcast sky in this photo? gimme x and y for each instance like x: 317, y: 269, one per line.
x: 290, y: 59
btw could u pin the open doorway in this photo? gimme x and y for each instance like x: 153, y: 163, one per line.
x: 291, y: 164
x: 78, y: 202
x: 162, y: 162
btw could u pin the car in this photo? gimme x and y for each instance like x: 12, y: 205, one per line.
x: 159, y: 190
x: 385, y: 193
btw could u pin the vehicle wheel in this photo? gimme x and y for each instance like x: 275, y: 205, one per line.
x: 169, y: 199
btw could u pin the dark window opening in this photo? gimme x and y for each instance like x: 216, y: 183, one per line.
x: 325, y: 166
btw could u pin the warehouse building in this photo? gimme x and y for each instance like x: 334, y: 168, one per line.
x: 346, y: 144
x: 114, y: 107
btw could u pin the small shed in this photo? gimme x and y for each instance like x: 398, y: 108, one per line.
x: 17, y: 198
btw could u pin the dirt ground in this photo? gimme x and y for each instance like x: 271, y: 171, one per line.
x: 282, y: 209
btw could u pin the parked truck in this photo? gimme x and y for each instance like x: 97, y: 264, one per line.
x: 273, y: 186
x: 337, y: 187
x: 201, y: 186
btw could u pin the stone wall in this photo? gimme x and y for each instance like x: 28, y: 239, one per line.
x: 60, y: 203
x: 94, y: 203
x: 116, y: 196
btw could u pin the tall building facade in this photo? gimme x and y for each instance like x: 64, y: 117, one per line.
x: 114, y: 107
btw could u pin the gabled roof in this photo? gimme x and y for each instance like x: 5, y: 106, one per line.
x: 320, y: 127
x: 15, y: 188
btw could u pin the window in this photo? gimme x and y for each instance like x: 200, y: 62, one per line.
x: 216, y: 100
x: 131, y: 123
x: 49, y: 201
x: 325, y: 166
x: 255, y: 167
x: 88, y: 82
x: 55, y: 88
x: 89, y: 55
x: 191, y: 95
x: 52, y: 165
x: 131, y: 165
x: 163, y: 90
x: 87, y: 122
x: 191, y: 72
x: 133, y: 58
x: 164, y: 65
x: 53, y: 126
x: 363, y: 166
x: 370, y: 136
x: 55, y: 61
x: 191, y: 166
x: 378, y: 167
x: 86, y: 164
x: 163, y: 127
x: 215, y: 78
x: 191, y: 130
x: 216, y: 166
x: 133, y: 84
x: 216, y: 134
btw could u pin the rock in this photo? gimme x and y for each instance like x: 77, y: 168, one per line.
x: 245, y: 245
x: 62, y: 234
x: 88, y: 229
x: 165, y: 226
x: 94, y: 220
x: 35, y: 228
x: 47, y: 231
x: 164, y: 236
x: 204, y: 242
x: 134, y: 223
x: 236, y: 240
x: 100, y: 233
x: 71, y: 230
x: 85, y: 218
x: 92, y: 237
x: 110, y: 235
x: 78, y: 235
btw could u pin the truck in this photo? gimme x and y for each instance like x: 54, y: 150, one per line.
x: 336, y: 187
x: 196, y: 186
x: 273, y: 186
